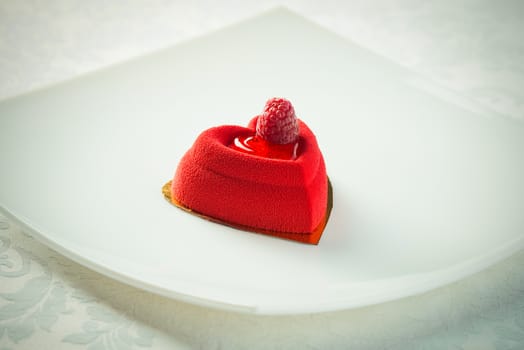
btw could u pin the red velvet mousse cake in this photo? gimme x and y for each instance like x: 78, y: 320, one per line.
x: 269, y: 177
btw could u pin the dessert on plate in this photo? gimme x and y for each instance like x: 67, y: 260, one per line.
x: 268, y: 177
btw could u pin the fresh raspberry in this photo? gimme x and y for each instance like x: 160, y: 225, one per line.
x: 278, y: 124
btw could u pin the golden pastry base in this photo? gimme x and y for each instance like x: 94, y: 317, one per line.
x: 310, y: 238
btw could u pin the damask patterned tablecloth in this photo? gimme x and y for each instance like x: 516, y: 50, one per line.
x: 50, y: 302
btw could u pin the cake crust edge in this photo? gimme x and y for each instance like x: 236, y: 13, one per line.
x: 307, y: 237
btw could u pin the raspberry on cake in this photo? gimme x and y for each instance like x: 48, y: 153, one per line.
x: 276, y: 132
x: 268, y: 177
x: 278, y: 124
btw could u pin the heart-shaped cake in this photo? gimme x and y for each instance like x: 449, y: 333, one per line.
x: 268, y: 177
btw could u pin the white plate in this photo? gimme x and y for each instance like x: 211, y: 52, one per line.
x: 426, y: 191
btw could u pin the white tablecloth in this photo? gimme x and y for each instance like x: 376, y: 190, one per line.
x: 49, y: 302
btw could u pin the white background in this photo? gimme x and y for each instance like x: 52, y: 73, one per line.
x: 472, y: 47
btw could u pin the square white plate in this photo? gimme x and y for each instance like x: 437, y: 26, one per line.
x: 425, y: 190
